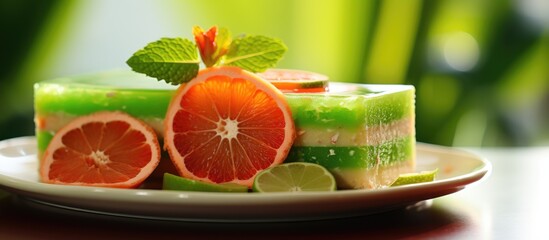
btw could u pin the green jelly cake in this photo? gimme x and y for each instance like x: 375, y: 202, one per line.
x: 363, y: 134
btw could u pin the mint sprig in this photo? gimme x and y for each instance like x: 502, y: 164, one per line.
x: 254, y: 53
x: 175, y: 60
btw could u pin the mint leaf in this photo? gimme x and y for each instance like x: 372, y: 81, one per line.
x: 174, y: 60
x: 254, y: 53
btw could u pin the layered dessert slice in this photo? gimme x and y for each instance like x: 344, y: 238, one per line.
x: 59, y: 101
x: 364, y: 134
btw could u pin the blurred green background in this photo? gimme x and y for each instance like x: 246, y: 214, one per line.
x: 480, y: 68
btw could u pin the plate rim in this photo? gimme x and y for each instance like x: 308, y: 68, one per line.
x: 55, y: 193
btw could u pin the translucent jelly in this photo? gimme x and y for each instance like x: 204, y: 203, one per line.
x: 364, y: 134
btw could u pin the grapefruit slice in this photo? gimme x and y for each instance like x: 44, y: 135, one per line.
x: 103, y: 149
x: 226, y: 125
x: 296, y: 81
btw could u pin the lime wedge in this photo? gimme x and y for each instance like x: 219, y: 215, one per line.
x: 411, y: 178
x: 173, y: 182
x: 294, y: 177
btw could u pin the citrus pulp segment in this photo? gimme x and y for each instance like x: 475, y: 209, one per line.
x: 104, y: 149
x: 226, y: 125
x: 294, y: 177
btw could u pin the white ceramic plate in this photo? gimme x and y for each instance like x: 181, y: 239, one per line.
x: 18, y: 174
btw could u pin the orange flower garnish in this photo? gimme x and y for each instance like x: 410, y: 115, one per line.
x: 211, y: 46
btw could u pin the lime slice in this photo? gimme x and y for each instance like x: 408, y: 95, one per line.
x: 411, y: 178
x: 296, y: 81
x: 173, y: 182
x: 294, y: 177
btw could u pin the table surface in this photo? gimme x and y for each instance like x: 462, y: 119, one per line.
x: 511, y: 203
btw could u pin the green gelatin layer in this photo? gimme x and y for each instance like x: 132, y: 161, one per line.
x: 347, y: 116
x: 362, y: 157
x: 43, y: 138
x: 345, y: 105
x: 352, y: 106
x: 132, y: 93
